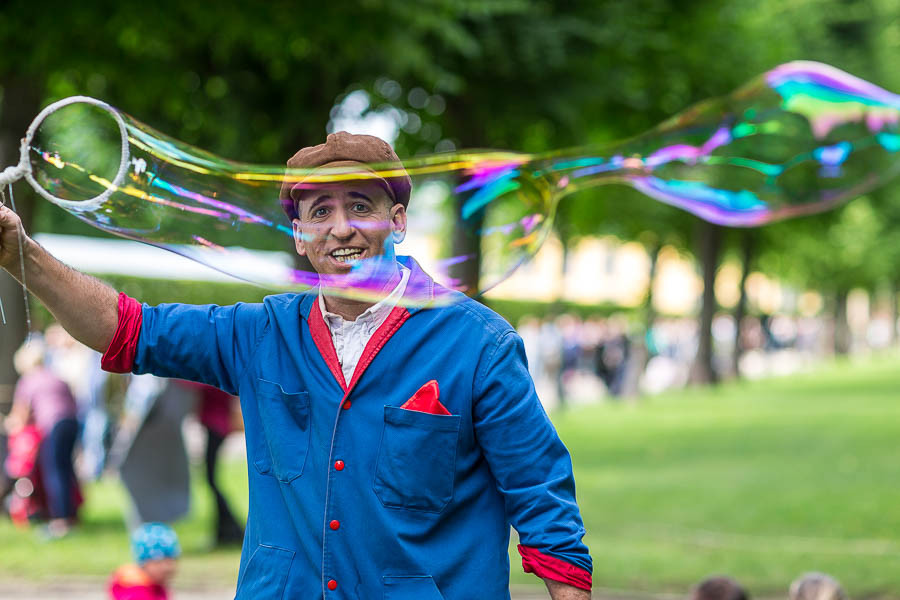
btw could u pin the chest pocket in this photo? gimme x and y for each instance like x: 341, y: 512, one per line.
x: 416, y: 460
x: 285, y: 424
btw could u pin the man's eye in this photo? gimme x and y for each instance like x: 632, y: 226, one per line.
x: 360, y: 207
x: 320, y: 212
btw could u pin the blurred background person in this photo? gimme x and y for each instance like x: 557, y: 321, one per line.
x: 816, y: 586
x: 569, y: 325
x: 719, y: 587
x: 149, y: 450
x: 611, y: 355
x: 43, y: 399
x: 96, y: 424
x: 216, y: 411
x: 79, y: 367
x: 156, y: 550
x: 550, y: 350
x: 529, y: 329
x: 24, y: 498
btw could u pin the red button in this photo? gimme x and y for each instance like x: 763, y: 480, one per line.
x: 339, y: 465
x: 335, y: 524
x: 332, y: 584
x: 347, y: 405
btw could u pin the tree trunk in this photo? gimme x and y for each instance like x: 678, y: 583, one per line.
x: 710, y: 242
x: 640, y: 354
x: 19, y: 106
x: 467, y: 243
x: 748, y: 246
x: 895, y: 310
x: 841, y: 326
x: 649, y: 311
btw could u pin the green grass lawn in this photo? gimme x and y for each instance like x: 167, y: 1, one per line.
x: 100, y: 543
x: 759, y: 480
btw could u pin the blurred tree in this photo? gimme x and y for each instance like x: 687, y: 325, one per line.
x: 671, y: 57
x: 256, y: 82
x: 834, y: 253
x: 851, y: 247
x: 747, y: 242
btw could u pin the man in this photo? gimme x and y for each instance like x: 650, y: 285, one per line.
x: 391, y: 443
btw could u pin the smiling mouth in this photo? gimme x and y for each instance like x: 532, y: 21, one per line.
x: 347, y: 256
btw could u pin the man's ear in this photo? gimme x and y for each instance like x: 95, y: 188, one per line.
x: 298, y: 237
x: 398, y: 222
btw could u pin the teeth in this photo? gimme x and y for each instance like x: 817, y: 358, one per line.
x: 346, y: 251
x: 346, y: 255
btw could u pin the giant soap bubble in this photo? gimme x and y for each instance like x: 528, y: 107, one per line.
x: 796, y: 140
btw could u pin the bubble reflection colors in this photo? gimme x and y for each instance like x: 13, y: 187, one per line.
x: 798, y: 139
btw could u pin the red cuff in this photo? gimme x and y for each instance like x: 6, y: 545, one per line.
x: 548, y: 567
x: 119, y: 357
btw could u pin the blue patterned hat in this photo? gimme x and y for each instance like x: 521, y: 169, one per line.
x: 154, y: 541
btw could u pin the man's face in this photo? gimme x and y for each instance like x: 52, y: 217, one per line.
x: 348, y: 226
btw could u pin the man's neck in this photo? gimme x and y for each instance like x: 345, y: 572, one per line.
x: 350, y: 309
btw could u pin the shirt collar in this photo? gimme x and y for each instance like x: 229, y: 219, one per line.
x: 421, y: 291
x: 378, y: 311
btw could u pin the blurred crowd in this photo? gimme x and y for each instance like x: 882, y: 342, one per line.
x: 577, y: 360
x: 70, y: 422
x: 809, y: 586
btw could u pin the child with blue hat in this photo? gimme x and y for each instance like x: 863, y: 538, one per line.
x: 156, y: 551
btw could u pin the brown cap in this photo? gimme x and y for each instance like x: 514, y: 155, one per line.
x: 344, y: 149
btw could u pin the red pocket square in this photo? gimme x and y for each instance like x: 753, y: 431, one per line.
x: 426, y: 400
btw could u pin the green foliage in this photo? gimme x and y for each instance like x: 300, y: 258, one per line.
x: 836, y: 251
x: 854, y: 246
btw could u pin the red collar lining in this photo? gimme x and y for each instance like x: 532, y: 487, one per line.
x: 391, y: 324
x: 321, y: 336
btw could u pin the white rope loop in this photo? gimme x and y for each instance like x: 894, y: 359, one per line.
x: 14, y: 173
x: 11, y: 175
x: 23, y: 169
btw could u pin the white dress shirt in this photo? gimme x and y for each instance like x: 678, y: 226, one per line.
x: 350, y: 337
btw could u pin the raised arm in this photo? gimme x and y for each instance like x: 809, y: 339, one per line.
x: 83, y: 305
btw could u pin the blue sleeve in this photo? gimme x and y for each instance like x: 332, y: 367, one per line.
x: 210, y: 344
x: 528, y: 459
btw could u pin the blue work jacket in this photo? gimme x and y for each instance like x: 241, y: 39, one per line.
x: 352, y: 496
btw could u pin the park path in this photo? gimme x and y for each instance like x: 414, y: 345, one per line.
x: 91, y: 589
x: 95, y: 590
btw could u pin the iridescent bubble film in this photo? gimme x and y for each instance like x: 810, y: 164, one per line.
x: 798, y: 139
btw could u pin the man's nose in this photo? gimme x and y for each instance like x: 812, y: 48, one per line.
x: 342, y: 226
